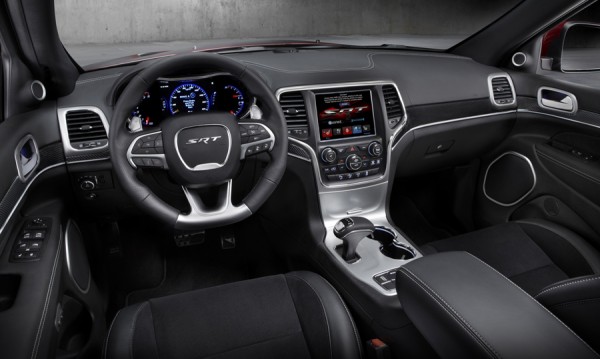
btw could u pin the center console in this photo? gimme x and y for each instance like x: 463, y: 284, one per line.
x: 346, y: 131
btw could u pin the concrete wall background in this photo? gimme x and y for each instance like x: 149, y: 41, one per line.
x: 127, y: 21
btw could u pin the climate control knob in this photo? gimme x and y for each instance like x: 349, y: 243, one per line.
x: 375, y: 149
x: 353, y: 162
x: 328, y: 155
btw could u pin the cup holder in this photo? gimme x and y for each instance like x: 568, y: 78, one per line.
x: 9, y: 286
x: 389, y: 247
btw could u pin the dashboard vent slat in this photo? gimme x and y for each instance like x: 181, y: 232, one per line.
x: 502, y: 91
x: 294, y: 109
x: 85, y: 126
x: 393, y: 105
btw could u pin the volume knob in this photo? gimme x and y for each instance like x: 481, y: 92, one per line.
x: 375, y: 149
x: 328, y: 155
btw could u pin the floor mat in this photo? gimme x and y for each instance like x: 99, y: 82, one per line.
x: 206, y: 265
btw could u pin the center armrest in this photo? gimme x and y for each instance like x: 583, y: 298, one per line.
x: 465, y: 308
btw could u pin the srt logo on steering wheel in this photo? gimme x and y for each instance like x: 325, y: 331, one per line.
x: 205, y: 140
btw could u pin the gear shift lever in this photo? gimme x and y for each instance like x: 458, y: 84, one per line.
x: 351, y: 231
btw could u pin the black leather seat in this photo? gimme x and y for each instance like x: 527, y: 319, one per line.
x: 533, y: 254
x: 296, y: 315
x: 553, y: 264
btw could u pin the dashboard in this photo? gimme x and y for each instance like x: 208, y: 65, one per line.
x: 175, y: 96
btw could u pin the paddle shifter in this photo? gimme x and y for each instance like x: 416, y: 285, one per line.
x: 351, y: 231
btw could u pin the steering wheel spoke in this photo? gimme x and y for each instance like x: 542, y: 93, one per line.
x: 256, y: 138
x: 221, y: 213
x: 147, y: 151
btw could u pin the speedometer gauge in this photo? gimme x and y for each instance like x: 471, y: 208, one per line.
x: 188, y: 98
x: 230, y: 99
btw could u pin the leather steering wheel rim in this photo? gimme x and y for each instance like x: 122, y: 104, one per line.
x: 120, y: 140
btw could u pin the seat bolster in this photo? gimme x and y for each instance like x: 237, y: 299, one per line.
x: 119, y: 342
x: 344, y: 338
x: 589, y: 253
x: 576, y: 302
x: 570, y: 290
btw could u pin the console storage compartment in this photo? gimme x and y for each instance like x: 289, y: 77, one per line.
x: 466, y: 309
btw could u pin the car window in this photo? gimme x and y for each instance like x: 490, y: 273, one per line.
x: 101, y: 31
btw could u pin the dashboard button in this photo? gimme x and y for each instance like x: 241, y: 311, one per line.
x: 138, y: 161
x: 144, y: 151
x: 149, y: 138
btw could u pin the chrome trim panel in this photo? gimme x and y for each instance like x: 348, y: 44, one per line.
x: 368, y: 202
x: 510, y: 83
x: 68, y: 260
x: 543, y: 105
x: 386, y: 133
x: 199, y: 215
x: 35, y: 157
x: 526, y: 194
x: 64, y: 131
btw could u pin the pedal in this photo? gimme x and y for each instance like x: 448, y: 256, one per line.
x: 187, y: 239
x: 227, y: 239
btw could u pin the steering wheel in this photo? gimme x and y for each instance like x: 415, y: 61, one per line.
x: 200, y: 150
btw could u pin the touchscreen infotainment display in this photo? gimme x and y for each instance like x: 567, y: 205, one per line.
x: 345, y: 114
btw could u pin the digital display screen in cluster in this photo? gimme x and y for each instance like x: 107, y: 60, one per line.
x: 345, y: 114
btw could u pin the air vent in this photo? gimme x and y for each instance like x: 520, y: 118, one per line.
x: 393, y: 105
x: 294, y: 110
x: 501, y: 90
x: 86, y: 129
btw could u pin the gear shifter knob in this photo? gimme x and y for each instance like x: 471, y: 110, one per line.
x: 351, y: 231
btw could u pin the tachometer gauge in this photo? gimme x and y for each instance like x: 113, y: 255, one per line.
x: 144, y: 110
x: 188, y: 98
x: 230, y: 99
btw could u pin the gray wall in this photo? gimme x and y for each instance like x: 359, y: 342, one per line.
x: 124, y: 21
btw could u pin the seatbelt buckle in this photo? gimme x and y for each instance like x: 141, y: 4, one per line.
x: 377, y: 349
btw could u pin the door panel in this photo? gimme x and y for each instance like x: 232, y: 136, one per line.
x: 564, y: 150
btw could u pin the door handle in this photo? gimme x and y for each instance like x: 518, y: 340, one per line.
x: 555, y: 99
x: 27, y: 157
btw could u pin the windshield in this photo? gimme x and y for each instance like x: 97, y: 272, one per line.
x: 95, y: 31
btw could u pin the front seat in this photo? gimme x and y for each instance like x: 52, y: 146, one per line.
x: 553, y: 264
x: 533, y: 253
x: 296, y: 315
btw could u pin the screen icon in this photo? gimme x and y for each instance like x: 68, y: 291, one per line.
x: 337, y: 131
x: 347, y: 131
x: 357, y: 130
x: 366, y: 128
x: 326, y: 133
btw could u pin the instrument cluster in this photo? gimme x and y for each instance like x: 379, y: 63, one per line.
x: 175, y: 96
